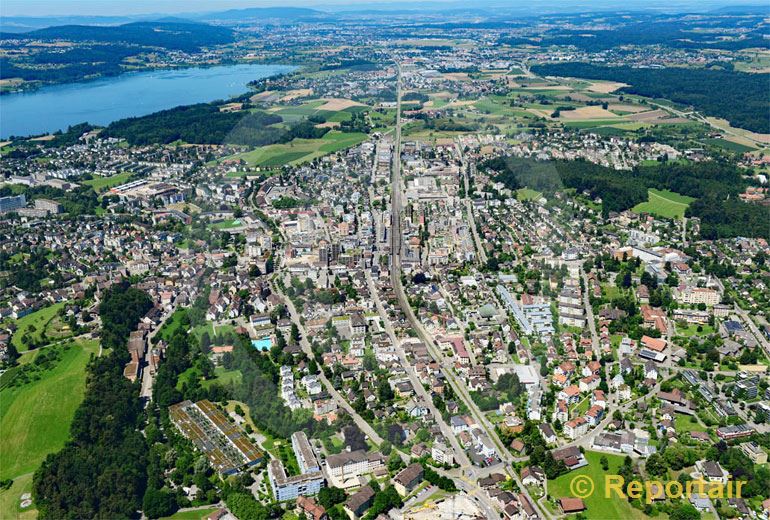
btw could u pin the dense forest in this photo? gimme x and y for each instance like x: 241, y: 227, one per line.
x: 714, y: 184
x: 101, y: 472
x: 739, y: 97
x: 201, y: 123
x: 205, y: 124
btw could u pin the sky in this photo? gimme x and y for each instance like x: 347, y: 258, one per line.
x: 134, y: 7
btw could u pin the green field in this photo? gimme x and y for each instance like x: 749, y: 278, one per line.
x: 300, y: 150
x: 598, y: 507
x: 100, y: 184
x: 682, y: 424
x: 35, y: 417
x: 664, y: 203
x: 34, y: 324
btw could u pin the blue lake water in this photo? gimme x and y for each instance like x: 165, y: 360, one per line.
x: 133, y: 94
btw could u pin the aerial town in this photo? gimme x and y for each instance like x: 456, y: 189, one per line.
x: 434, y: 271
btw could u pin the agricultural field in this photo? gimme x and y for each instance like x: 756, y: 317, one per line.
x: 35, y: 413
x: 34, y: 324
x: 598, y: 507
x: 301, y: 150
x: 664, y: 203
x: 729, y: 145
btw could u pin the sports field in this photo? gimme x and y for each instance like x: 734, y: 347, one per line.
x: 100, y: 184
x: 664, y: 203
x: 35, y: 416
x: 523, y: 194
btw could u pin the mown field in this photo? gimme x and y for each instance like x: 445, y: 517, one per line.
x: 35, y: 416
x: 664, y: 203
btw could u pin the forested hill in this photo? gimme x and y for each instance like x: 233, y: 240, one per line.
x: 174, y: 35
x: 739, y: 97
x: 205, y: 123
x: 715, y: 185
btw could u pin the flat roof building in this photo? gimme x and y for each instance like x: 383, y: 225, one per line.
x: 223, y: 442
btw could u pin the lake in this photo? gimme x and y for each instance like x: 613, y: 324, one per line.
x: 105, y: 100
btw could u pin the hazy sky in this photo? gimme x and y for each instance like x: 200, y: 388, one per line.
x: 122, y: 7
x: 132, y: 7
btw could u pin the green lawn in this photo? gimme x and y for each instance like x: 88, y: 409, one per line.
x: 196, y: 514
x: 598, y: 507
x: 664, y: 203
x: 101, y: 184
x: 581, y: 408
x: 38, y: 321
x: 35, y: 417
x: 682, y: 423
x: 692, y: 330
x: 223, y: 377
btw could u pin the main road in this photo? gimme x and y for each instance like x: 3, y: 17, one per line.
x: 305, y: 344
x: 481, y: 254
x: 395, y: 273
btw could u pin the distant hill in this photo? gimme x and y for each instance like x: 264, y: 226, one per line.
x: 743, y: 9
x: 22, y: 24
x: 174, y: 34
x: 289, y: 14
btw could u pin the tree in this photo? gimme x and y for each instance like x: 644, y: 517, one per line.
x: 354, y: 437
x: 604, y: 462
x: 331, y: 496
x: 656, y: 465
x: 385, y: 392
x: 158, y: 503
x: 395, y: 434
x: 684, y: 511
